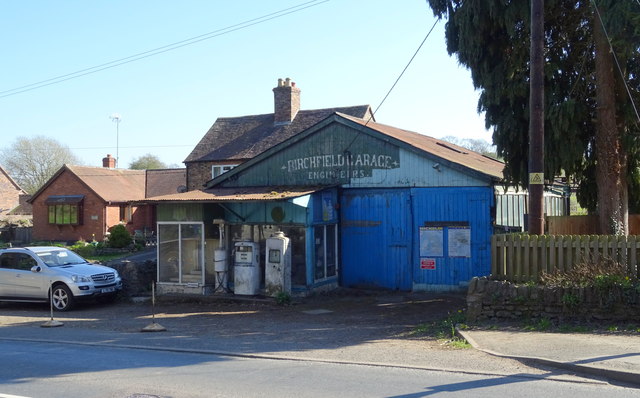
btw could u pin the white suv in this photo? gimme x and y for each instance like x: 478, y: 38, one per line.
x: 33, y: 274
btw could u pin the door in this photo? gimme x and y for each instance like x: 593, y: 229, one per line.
x: 17, y: 278
x: 376, y: 238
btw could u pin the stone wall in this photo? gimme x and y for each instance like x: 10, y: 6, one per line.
x: 137, y: 277
x: 503, y: 301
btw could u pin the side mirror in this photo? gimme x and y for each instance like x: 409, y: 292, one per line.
x: 36, y: 268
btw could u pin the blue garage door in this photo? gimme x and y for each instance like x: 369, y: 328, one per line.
x: 376, y: 238
x: 447, y: 210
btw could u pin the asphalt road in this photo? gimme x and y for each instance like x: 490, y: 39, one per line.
x: 33, y: 369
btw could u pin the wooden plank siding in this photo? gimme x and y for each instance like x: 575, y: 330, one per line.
x: 523, y: 258
x: 584, y: 225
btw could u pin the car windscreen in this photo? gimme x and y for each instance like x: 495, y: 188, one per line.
x: 58, y: 258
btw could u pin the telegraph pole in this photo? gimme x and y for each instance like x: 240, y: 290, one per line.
x: 536, y: 121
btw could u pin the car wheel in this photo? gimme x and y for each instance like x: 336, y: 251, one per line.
x: 62, y: 298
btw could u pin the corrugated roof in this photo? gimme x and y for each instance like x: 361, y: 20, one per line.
x: 112, y: 185
x: 246, y: 194
x: 442, y: 149
x: 244, y: 137
x: 166, y: 181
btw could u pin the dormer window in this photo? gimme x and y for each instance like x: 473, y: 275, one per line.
x: 220, y: 169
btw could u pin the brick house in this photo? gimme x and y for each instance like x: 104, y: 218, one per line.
x: 82, y: 203
x: 10, y: 193
x: 233, y: 140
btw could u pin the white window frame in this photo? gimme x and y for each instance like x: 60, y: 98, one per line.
x: 201, y: 254
x: 219, y: 169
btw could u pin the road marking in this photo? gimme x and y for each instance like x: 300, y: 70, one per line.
x: 11, y: 396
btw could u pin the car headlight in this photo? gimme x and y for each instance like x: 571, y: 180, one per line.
x: 80, y: 278
x: 116, y: 274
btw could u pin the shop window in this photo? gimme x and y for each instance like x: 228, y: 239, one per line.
x: 326, y: 251
x: 297, y: 236
x: 221, y: 169
x: 180, y: 252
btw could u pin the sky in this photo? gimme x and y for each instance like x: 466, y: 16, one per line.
x: 339, y: 53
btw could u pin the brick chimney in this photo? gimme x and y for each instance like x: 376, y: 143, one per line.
x: 109, y: 162
x: 286, y: 101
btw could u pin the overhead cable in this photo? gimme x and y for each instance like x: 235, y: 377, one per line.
x: 160, y: 50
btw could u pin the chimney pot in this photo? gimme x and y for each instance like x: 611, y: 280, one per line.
x: 286, y: 101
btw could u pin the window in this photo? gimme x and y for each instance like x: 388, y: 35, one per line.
x: 221, y: 169
x: 181, y: 253
x: 17, y: 261
x: 64, y: 214
x: 125, y: 213
x: 326, y: 251
x: 65, y: 209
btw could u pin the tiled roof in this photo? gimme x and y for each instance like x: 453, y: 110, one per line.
x: 248, y: 194
x: 242, y: 138
x: 10, y: 180
x: 442, y: 149
x: 112, y: 185
x: 123, y: 185
x: 165, y: 181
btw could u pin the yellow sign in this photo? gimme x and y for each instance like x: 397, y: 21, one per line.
x: 536, y: 178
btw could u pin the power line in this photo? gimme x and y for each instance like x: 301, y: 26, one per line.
x: 162, y: 49
x: 615, y: 57
x: 133, y: 147
x: 395, y: 83
x: 404, y: 70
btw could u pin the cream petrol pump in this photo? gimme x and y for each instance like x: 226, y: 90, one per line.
x: 246, y: 270
x: 277, y: 277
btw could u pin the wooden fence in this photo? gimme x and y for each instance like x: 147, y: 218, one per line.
x: 16, y: 234
x: 584, y: 225
x: 522, y: 257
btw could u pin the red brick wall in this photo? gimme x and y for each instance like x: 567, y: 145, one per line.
x: 92, y: 215
x: 97, y: 216
x: 140, y: 218
x: 9, y: 195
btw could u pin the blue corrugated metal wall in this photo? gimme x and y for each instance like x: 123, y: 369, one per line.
x: 380, y: 236
x: 443, y: 205
x: 376, y: 240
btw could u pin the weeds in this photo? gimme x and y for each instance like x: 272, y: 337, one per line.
x: 445, y: 329
x: 570, y: 300
x: 542, y: 325
x: 573, y: 329
x: 594, y: 270
x: 283, y: 298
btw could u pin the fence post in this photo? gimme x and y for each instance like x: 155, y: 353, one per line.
x: 510, y: 243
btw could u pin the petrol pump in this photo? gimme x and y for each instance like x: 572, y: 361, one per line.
x: 246, y: 268
x: 277, y: 277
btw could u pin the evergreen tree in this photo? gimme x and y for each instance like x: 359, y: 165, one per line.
x: 591, y: 126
